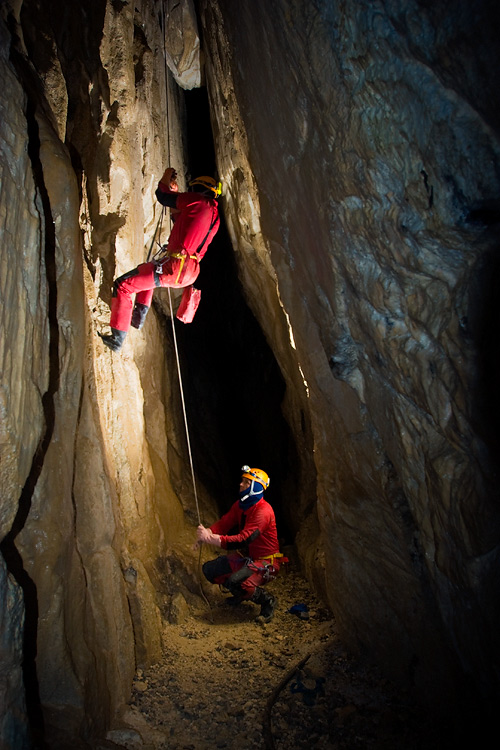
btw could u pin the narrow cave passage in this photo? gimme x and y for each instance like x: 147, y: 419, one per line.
x: 232, y: 382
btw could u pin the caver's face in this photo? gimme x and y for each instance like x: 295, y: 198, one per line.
x: 245, y: 483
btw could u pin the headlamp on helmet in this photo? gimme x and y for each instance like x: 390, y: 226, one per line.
x: 208, y: 183
x: 257, y: 474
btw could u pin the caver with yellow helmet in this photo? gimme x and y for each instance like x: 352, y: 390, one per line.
x: 196, y: 221
x: 256, y: 475
x: 253, y: 519
x: 206, y: 184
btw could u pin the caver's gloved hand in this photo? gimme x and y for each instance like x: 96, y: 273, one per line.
x: 205, y: 536
x: 168, y: 182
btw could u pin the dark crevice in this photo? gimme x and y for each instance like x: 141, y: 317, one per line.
x: 232, y: 382
x: 481, y: 326
x: 9, y: 550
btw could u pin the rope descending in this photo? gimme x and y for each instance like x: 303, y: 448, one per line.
x: 184, y: 406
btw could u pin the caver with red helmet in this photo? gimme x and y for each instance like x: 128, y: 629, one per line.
x: 256, y: 536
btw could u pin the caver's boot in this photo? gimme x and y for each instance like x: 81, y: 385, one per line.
x: 139, y: 315
x: 115, y: 341
x: 267, y: 603
x: 234, y: 588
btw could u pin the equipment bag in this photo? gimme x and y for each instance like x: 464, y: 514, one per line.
x: 189, y: 304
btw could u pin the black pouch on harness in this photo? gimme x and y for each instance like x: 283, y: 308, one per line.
x: 241, y: 575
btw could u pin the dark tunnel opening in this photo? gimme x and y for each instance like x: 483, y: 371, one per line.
x: 232, y: 384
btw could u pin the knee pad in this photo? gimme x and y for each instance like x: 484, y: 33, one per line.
x: 240, y: 575
x: 122, y: 278
x: 213, y: 569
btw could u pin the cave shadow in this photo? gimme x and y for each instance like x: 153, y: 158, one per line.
x: 233, y: 385
x: 482, y: 327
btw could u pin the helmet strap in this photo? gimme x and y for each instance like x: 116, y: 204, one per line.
x: 251, y: 495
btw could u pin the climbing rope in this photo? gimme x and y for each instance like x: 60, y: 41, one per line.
x: 163, y: 210
x: 183, y: 405
x: 164, y: 20
x: 158, y: 225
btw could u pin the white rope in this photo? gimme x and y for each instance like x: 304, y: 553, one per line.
x: 183, y: 406
x: 165, y: 20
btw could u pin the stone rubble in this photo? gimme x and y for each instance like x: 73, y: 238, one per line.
x: 357, y: 143
x: 225, y: 681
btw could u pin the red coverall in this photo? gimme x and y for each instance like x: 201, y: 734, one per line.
x: 196, y: 222
x: 257, y: 531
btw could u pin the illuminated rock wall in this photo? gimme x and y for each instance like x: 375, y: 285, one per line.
x: 90, y: 451
x: 357, y: 143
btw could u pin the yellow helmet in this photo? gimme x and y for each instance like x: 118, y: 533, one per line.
x: 208, y: 183
x: 257, y: 474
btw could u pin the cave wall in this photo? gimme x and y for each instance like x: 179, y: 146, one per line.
x: 358, y: 147
x: 93, y: 459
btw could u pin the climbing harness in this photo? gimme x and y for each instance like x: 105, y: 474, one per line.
x: 268, y: 571
x: 270, y: 568
x: 277, y: 556
x: 164, y: 255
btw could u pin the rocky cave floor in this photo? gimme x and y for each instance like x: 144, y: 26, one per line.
x: 226, y: 681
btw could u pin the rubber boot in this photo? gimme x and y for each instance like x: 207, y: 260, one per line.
x: 139, y: 315
x: 267, y: 604
x: 115, y: 341
x: 235, y: 589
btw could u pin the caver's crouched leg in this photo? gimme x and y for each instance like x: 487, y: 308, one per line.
x: 252, y: 588
x: 267, y: 604
x: 243, y: 581
x: 237, y: 577
x: 140, y: 282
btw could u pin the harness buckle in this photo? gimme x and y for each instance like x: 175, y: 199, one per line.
x: 164, y: 254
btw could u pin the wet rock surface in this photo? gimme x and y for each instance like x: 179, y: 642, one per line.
x: 225, y: 681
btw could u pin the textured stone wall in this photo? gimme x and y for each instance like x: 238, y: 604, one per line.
x: 358, y: 146
x: 92, y: 460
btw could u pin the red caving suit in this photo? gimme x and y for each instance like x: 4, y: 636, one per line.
x: 257, y: 531
x: 196, y: 223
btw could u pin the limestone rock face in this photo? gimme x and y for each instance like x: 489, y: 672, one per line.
x: 14, y: 729
x: 182, y: 43
x: 89, y: 514
x: 358, y: 147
